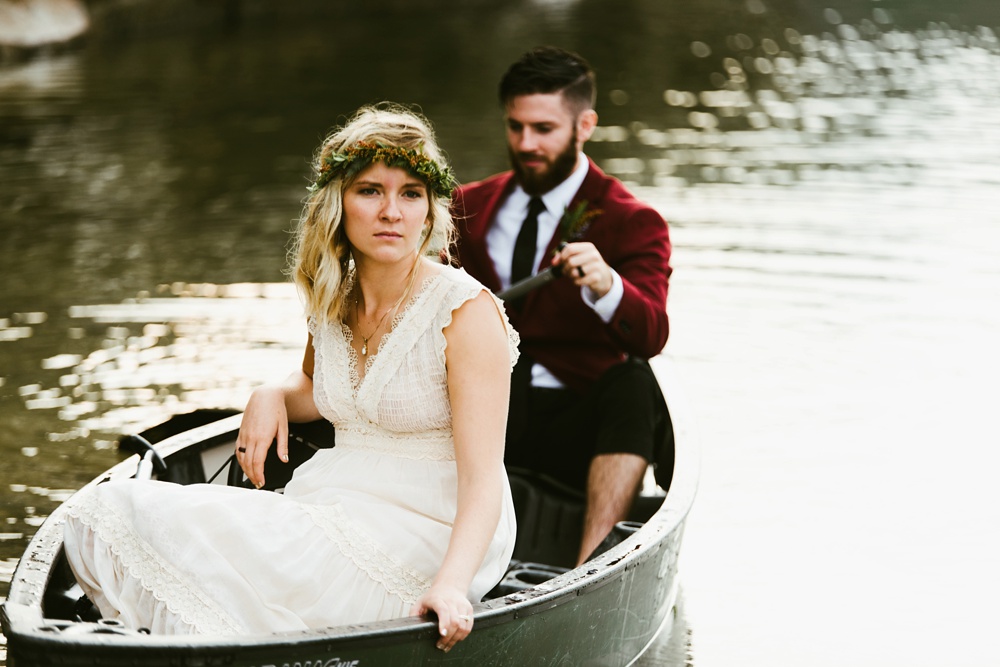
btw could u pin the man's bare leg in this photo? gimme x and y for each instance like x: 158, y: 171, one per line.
x: 612, y: 484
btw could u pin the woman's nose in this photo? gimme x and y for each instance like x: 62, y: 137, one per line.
x: 390, y: 211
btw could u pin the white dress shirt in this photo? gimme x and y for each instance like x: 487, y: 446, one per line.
x: 502, y: 234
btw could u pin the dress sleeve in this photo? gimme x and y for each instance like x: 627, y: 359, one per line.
x: 466, y: 291
x: 513, y: 338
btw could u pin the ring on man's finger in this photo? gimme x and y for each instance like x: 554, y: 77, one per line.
x: 579, y: 271
x: 242, y: 450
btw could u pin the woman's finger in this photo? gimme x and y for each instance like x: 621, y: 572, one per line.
x: 463, y: 627
x: 283, y: 441
x: 242, y: 455
x: 259, y: 456
x: 445, y: 630
x: 458, y: 628
x: 451, y: 628
x: 250, y: 455
x: 423, y: 608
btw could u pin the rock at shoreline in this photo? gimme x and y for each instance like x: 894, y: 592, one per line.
x: 32, y: 23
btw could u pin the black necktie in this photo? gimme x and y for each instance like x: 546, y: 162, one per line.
x: 523, y: 263
x: 521, y: 266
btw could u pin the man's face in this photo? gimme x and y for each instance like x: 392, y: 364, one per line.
x: 543, y: 140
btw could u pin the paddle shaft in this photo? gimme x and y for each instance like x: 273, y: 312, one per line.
x: 522, y: 287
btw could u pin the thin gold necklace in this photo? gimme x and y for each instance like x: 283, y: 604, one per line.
x: 364, y: 338
x: 395, y: 306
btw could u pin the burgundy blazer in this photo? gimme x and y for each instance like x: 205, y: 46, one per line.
x: 559, y: 330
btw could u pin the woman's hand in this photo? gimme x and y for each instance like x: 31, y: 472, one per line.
x: 453, y: 610
x: 264, y: 419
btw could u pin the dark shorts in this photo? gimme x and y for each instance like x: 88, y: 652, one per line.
x: 558, y: 432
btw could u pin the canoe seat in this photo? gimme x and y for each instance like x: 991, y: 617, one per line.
x: 549, y: 518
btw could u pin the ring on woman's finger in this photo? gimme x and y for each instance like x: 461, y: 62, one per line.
x: 242, y: 450
x: 579, y: 271
x: 464, y: 617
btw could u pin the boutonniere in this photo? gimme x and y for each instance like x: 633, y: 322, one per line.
x: 574, y: 221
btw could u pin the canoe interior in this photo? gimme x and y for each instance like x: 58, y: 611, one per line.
x: 549, y: 514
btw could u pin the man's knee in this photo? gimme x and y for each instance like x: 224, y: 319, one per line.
x: 629, y: 409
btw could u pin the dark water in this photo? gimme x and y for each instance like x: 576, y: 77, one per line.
x: 831, y: 173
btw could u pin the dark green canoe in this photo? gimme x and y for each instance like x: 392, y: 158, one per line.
x: 606, y: 612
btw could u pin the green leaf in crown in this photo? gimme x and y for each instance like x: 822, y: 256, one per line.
x: 354, y: 159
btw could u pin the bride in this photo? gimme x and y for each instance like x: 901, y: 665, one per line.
x: 410, y: 512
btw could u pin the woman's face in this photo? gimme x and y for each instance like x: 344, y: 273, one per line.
x: 385, y: 210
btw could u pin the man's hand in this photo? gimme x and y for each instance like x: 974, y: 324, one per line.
x: 583, y: 264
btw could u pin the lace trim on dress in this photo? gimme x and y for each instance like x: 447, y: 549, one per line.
x: 352, y: 354
x: 156, y: 576
x: 352, y: 357
x: 385, y: 343
x: 459, y: 298
x: 513, y: 338
x: 346, y: 395
x: 366, y: 554
x: 320, y: 342
x: 393, y: 347
x: 429, y: 446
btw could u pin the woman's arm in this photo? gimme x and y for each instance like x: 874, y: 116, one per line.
x: 478, y: 364
x: 267, y: 414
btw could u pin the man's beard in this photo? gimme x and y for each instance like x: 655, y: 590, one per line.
x: 540, y: 182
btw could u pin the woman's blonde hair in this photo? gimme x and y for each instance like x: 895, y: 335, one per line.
x: 321, y: 254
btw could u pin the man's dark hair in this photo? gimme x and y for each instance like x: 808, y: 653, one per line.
x: 549, y: 69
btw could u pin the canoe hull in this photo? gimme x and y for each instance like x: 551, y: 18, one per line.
x: 604, y: 621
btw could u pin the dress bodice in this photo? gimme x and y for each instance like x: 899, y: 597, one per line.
x: 400, y: 405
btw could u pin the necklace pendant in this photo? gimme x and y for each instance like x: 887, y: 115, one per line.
x: 364, y: 349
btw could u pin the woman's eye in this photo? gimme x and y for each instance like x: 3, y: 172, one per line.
x: 367, y: 191
x: 413, y: 194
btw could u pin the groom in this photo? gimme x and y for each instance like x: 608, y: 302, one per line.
x: 585, y: 407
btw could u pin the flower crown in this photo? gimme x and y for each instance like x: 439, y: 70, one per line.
x: 355, y: 158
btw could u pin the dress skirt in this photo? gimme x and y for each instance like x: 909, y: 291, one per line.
x: 357, y: 536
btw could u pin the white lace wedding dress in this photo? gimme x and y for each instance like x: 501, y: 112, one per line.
x: 358, y: 534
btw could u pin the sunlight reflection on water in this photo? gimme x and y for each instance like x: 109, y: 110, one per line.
x: 191, y: 351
